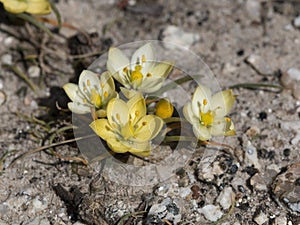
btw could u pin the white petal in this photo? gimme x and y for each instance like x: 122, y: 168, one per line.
x: 201, y: 132
x: 222, y: 102
x: 71, y: 90
x: 117, y: 61
x: 201, y: 95
x: 188, y: 113
x: 146, y: 52
x: 88, y: 80
x: 78, y: 108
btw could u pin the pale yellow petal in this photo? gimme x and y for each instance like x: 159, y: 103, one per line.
x: 148, y: 128
x: 117, y: 112
x: 144, y: 54
x: 151, y: 84
x: 188, y: 113
x: 102, y: 128
x: 162, y: 69
x: 117, y: 61
x: 201, y: 132
x: 138, y: 147
x: 78, y: 108
x: 222, y: 102
x: 38, y: 7
x: 137, y: 107
x: 201, y: 99
x: 117, y: 145
x: 107, y: 82
x: 88, y: 80
x: 128, y: 93
x: 71, y: 90
x: 15, y: 6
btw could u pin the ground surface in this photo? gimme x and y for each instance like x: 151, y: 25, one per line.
x: 256, y: 183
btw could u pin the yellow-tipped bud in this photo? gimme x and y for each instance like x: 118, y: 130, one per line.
x: 164, y: 109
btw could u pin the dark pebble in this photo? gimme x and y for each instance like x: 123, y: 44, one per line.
x: 233, y: 169
x: 240, y: 52
x: 286, y: 152
x: 297, y: 182
x: 262, y: 116
x: 250, y: 170
x: 172, y: 208
x: 241, y: 188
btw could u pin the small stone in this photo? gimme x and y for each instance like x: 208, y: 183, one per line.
x: 2, y: 98
x: 251, y: 155
x: 261, y: 218
x: 258, y: 182
x: 259, y: 64
x: 254, y: 8
x: 176, y: 35
x: 294, y: 126
x: 34, y: 71
x: 6, y: 59
x: 225, y: 198
x: 211, y: 212
x: 291, y: 80
x: 286, y: 188
x: 297, y: 22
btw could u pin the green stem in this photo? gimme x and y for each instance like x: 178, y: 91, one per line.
x: 57, y: 14
x: 255, y: 86
x: 174, y: 119
x: 36, y: 23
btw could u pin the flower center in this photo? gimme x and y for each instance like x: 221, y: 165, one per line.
x: 136, y: 74
x: 207, y: 118
x: 95, y: 98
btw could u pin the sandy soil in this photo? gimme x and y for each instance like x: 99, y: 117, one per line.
x: 257, y: 182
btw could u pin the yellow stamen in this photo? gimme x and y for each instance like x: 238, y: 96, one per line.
x: 101, y: 85
x: 143, y: 58
x: 136, y: 74
x: 149, y: 75
x: 204, y: 102
x: 105, y: 94
x: 125, y: 69
x: 137, y: 113
x: 206, y: 118
x: 144, y: 123
x: 88, y: 82
x: 95, y: 98
x: 227, y: 119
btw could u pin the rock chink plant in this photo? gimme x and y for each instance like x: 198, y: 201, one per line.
x: 131, y: 120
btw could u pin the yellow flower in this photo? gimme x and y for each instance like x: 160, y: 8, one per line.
x: 141, y: 73
x: 28, y: 6
x: 207, y: 113
x: 91, y: 93
x: 164, y: 109
x: 127, y: 127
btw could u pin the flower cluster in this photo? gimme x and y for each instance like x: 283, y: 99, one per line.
x: 129, y: 125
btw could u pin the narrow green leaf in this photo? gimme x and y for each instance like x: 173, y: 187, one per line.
x: 57, y: 13
x: 255, y: 86
x: 36, y: 23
